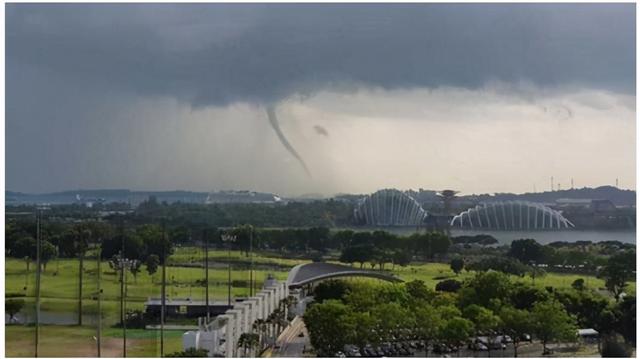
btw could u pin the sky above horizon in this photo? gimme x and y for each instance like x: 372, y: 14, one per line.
x: 479, y: 98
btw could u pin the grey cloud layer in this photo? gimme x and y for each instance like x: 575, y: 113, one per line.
x: 91, y: 92
x: 215, y: 54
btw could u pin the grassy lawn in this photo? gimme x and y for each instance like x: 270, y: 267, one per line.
x: 59, y: 283
x: 432, y: 273
x: 60, y: 280
x: 75, y: 341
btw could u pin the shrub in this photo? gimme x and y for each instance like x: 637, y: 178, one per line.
x: 449, y: 285
x: 189, y: 353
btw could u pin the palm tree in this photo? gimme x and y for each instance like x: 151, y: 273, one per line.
x: 287, y: 303
x: 271, y: 323
x: 248, y: 342
x: 259, y: 326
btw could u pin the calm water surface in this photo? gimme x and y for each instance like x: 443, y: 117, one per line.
x: 543, y: 237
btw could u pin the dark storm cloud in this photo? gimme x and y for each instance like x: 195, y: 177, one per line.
x: 213, y: 54
x: 90, y: 88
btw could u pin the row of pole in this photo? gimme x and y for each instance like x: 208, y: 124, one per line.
x: 122, y: 265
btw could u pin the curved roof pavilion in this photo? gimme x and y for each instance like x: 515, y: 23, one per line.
x: 511, y: 216
x: 307, y: 273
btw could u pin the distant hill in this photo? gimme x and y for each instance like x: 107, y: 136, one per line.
x: 136, y: 197
x: 619, y: 197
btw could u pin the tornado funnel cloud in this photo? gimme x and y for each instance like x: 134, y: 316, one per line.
x: 273, y: 120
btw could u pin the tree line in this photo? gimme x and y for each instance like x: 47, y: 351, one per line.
x: 489, y: 304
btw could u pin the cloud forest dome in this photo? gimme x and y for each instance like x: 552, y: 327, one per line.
x: 511, y: 215
x: 389, y: 207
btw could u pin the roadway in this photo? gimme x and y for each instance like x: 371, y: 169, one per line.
x: 289, y: 344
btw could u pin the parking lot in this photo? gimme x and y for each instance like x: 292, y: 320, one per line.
x: 525, y: 350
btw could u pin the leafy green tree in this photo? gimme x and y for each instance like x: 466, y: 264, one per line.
x: 180, y: 234
x: 388, y: 292
x: 357, y: 254
x: 330, y: 289
x: 501, y: 264
x: 152, y: 263
x: 154, y: 242
x: 578, y: 284
x: 13, y: 307
x: 524, y: 295
x: 440, y: 243
x: 328, y: 328
x: 342, y: 239
x: 401, y: 257
x: 456, y: 331
x: 47, y: 252
x: 551, y: 322
x: 133, y: 245
x: 135, y: 268
x: 485, y: 289
x: 448, y: 312
x: 392, y: 320
x: 248, y: 342
x: 484, y: 320
x: 618, y: 271
x: 457, y: 264
x: 590, y: 309
x: 448, y: 285
x: 526, y: 250
x: 428, y: 323
x: 417, y: 289
x: 625, y: 323
x: 362, y: 325
x: 243, y: 237
x: 363, y: 297
x: 516, y: 323
x: 24, y: 247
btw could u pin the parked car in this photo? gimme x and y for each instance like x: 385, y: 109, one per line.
x: 505, y: 339
x: 352, y: 351
x: 477, y: 346
x: 440, y: 348
x: 367, y: 352
x: 526, y: 338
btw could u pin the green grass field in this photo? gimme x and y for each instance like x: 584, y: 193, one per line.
x: 75, y: 341
x: 59, y: 285
x: 60, y: 290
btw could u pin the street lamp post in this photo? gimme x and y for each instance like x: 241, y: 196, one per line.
x: 38, y: 273
x: 206, y: 271
x: 38, y: 215
x: 251, y: 278
x: 123, y: 264
x: 27, y: 259
x: 99, y: 297
x: 163, y: 299
x: 228, y: 239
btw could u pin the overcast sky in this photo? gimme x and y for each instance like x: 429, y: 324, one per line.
x: 478, y: 98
